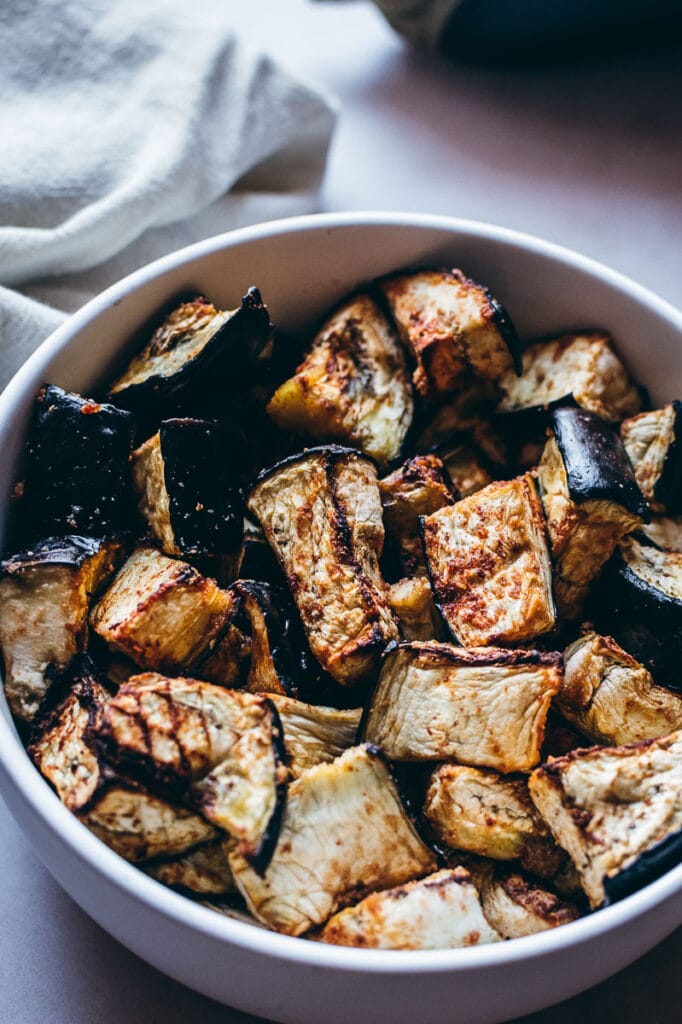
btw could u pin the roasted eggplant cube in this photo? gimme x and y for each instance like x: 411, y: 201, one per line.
x: 591, y: 500
x: 190, y: 347
x: 611, y: 697
x: 278, y: 645
x: 653, y: 441
x: 314, y: 734
x: 345, y: 833
x: 484, y: 707
x: 160, y: 612
x: 467, y: 468
x: 201, y: 872
x: 489, y: 564
x: 638, y: 601
x: 321, y: 513
x: 581, y: 369
x: 617, y: 811
x: 441, y: 911
x: 412, y: 604
x: 452, y: 326
x: 45, y: 597
x: 516, y: 906
x: 189, y: 478
x: 76, y: 476
x: 219, y: 750
x: 664, y: 532
x: 353, y: 385
x: 415, y: 489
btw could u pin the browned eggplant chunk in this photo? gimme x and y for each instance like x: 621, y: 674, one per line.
x: 413, y: 606
x: 204, y: 871
x: 484, y: 707
x: 321, y: 513
x: 353, y: 385
x: 617, y: 811
x: 653, y: 441
x: 45, y: 596
x: 516, y: 906
x: 344, y: 834
x: 441, y: 911
x: 314, y: 734
x: 417, y: 488
x: 452, y: 326
x: 489, y: 564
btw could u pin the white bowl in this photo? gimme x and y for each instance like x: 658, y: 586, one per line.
x: 302, y: 267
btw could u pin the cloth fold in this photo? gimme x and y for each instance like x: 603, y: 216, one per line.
x: 129, y: 130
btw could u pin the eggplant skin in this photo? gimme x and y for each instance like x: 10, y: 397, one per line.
x: 582, y: 368
x: 653, y: 441
x: 76, y: 476
x: 321, y: 513
x: 489, y: 564
x: 278, y: 647
x: 452, y: 326
x: 45, y: 593
x: 441, y: 911
x: 353, y: 385
x: 616, y: 810
x: 427, y: 704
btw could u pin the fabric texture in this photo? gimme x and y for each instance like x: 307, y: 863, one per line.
x: 129, y: 130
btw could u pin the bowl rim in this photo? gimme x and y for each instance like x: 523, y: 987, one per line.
x: 18, y: 772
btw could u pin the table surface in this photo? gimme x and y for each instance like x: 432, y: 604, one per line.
x: 586, y: 156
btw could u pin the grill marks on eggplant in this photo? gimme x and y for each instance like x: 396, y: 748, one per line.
x: 484, y: 707
x: 353, y: 385
x: 489, y: 564
x: 45, y: 597
x: 441, y: 911
x: 653, y: 441
x: 344, y: 834
x: 321, y: 513
x: 219, y: 750
x: 452, y: 326
x: 591, y: 500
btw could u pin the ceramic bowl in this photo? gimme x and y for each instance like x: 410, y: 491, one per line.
x: 303, y: 266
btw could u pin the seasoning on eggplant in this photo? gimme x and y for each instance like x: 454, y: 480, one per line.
x: 617, y: 811
x: 415, y: 489
x: 344, y: 834
x: 160, y: 612
x: 653, y: 441
x: 484, y: 707
x: 638, y: 601
x: 204, y: 871
x: 219, y: 750
x: 489, y: 564
x: 132, y: 821
x: 353, y: 385
x: 313, y: 734
x: 185, y: 348
x: 321, y: 513
x: 516, y: 906
x: 76, y: 475
x: 611, y: 697
x: 189, y: 478
x: 441, y: 911
x: 590, y: 498
x: 45, y: 596
x: 583, y: 369
x: 412, y: 604
x: 278, y: 648
x: 451, y: 325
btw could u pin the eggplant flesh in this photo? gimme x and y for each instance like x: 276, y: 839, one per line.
x: 516, y: 906
x: 314, y: 734
x: 321, y: 513
x: 278, y: 648
x: 441, y: 911
x: 187, y: 477
x: 489, y: 564
x: 344, y: 834
x: 353, y: 385
x: 653, y: 441
x: 452, y: 326
x: 204, y: 871
x: 45, y: 592
x: 615, y: 809
x: 76, y: 476
x: 611, y: 697
x: 413, y: 606
x: 417, y: 488
x: 583, y: 369
x: 427, y: 705
x: 219, y: 751
x: 664, y: 532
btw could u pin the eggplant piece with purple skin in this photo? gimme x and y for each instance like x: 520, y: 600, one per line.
x: 76, y: 476
x: 190, y: 479
x: 653, y: 441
